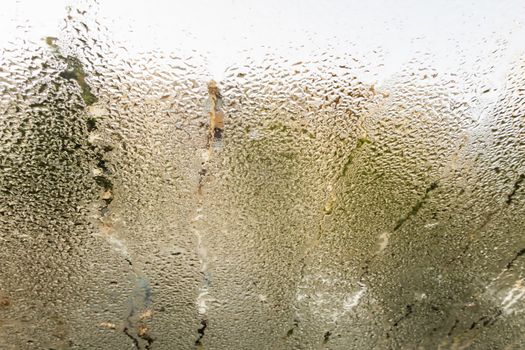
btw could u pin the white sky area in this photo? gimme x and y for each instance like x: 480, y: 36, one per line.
x: 221, y: 30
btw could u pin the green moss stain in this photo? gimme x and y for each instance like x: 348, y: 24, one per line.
x: 74, y: 71
x: 91, y: 124
x: 350, y: 159
x: 51, y: 41
x: 415, y: 209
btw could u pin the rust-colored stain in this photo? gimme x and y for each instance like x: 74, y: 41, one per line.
x: 4, y: 301
x: 216, y: 115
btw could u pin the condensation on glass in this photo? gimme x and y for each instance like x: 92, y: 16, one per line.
x: 262, y: 175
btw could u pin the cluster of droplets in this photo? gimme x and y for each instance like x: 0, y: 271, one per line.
x: 327, y: 205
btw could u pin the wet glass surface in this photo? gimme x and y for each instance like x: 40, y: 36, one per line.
x: 261, y: 175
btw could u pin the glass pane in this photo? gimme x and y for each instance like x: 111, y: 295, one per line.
x: 262, y: 175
